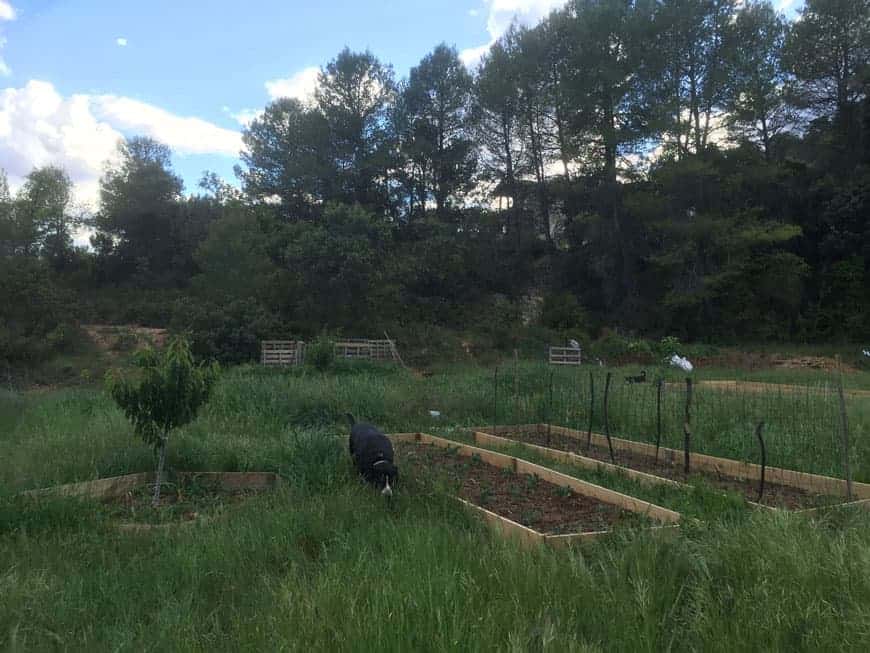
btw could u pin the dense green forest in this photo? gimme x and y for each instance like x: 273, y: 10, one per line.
x: 695, y: 168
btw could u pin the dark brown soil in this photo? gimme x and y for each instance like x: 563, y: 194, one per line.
x: 779, y: 496
x: 525, y: 499
x: 187, y: 500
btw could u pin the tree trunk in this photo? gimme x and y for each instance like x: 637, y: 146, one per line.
x: 765, y: 136
x: 158, y: 482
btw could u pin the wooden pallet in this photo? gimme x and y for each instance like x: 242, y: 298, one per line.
x: 565, y: 356
x: 282, y: 352
x: 292, y: 352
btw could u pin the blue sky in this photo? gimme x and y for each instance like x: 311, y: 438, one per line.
x: 75, y: 75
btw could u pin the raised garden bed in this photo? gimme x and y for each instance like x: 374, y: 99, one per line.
x: 520, y: 499
x: 186, y: 497
x: 783, y: 488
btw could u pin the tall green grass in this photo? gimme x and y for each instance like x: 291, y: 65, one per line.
x: 324, y: 564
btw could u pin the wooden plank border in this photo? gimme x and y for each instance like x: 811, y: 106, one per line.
x: 570, y: 458
x: 815, y: 483
x: 105, y: 488
x: 527, y: 536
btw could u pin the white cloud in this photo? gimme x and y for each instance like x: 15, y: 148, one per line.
x: 470, y: 56
x: 6, y: 11
x: 785, y: 5
x: 501, y: 14
x: 473, y: 12
x: 121, y: 41
x: 185, y: 135
x: 245, y: 116
x: 38, y: 126
x: 300, y: 86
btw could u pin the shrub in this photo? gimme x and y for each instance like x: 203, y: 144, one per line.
x: 320, y: 354
x: 228, y: 333
x: 562, y: 311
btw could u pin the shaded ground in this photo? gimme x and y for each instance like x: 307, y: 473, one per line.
x: 522, y: 498
x: 180, y: 501
x: 775, y: 495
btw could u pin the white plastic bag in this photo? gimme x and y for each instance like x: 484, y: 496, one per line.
x: 683, y: 363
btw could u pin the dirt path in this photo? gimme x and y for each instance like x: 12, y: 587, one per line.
x: 115, y: 339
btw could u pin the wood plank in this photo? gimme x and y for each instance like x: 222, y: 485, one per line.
x: 815, y: 483
x: 99, y: 488
x: 505, y: 527
x: 521, y: 466
x: 612, y: 497
x: 118, y: 485
x: 571, y: 458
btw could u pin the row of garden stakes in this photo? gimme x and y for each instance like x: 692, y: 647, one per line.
x: 687, y: 432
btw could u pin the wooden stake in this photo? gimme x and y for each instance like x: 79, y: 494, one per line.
x: 758, y: 430
x: 516, y: 374
x: 549, y: 408
x: 845, y: 433
x: 659, y: 386
x: 687, y: 430
x: 395, y: 350
x: 606, y: 421
x: 495, y: 398
x: 591, y: 408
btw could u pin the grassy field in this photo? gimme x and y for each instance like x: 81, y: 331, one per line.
x: 322, y: 564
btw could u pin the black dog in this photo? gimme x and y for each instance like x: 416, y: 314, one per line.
x: 372, y: 453
x: 637, y: 379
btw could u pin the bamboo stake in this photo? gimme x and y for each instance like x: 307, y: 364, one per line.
x: 763, y: 459
x: 687, y: 430
x: 591, y: 409
x: 659, y: 386
x: 495, y: 399
x: 516, y: 374
x: 606, y: 421
x: 845, y: 433
x: 549, y: 408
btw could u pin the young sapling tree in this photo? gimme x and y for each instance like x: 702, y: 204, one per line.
x: 167, y: 393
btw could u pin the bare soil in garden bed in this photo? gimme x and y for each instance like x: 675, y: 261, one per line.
x: 775, y: 495
x: 522, y: 498
x: 181, y: 500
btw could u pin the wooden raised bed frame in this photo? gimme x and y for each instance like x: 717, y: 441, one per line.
x: 814, y: 483
x: 525, y: 535
x: 118, y: 486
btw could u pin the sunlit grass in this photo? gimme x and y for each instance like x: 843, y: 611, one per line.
x: 324, y: 564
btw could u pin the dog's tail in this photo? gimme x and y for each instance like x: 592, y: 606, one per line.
x: 351, y: 419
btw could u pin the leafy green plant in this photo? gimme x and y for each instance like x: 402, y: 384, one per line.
x: 320, y: 354
x: 166, y: 394
x: 564, y: 491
